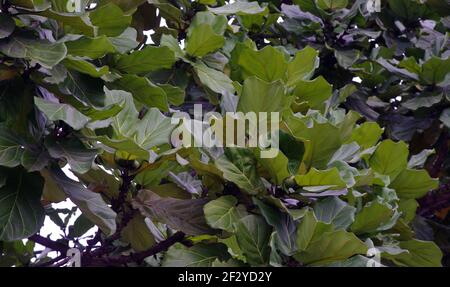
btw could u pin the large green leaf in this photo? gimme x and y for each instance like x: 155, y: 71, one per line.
x: 213, y: 79
x: 11, y: 148
x: 314, y: 92
x: 199, y: 255
x: 373, y: 216
x: 138, y: 234
x: 268, y: 64
x: 77, y: 155
x: 240, y: 8
x: 110, y: 20
x: 93, y: 48
x: 183, y: 215
x: 90, y: 203
x: 45, y: 53
x: 146, y: 60
x: 203, y: 40
x: 390, y: 158
x: 319, y: 244
x: 153, y: 129
x: 144, y: 91
x: 238, y: 166
x: 335, y: 211
x: 21, y: 212
x: 62, y: 112
x: 260, y: 96
x: 411, y: 183
x: 320, y: 180
x: 366, y: 135
x: 83, y: 66
x: 303, y: 65
x: 253, y: 235
x: 283, y: 224
x: 435, y: 70
x: 223, y: 213
x: 417, y: 253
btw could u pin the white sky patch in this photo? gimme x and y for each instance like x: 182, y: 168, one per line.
x: 53, y: 231
x: 357, y: 80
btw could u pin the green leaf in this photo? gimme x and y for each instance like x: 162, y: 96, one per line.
x: 62, y: 112
x: 93, y: 48
x: 83, y: 66
x: 412, y: 183
x: 334, y: 211
x: 278, y: 167
x: 372, y: 217
x: 199, y: 255
x: 239, y: 8
x: 366, y: 135
x: 217, y: 23
x: 21, y: 212
x: 7, y: 25
x: 332, y: 4
x: 260, y: 96
x: 146, y: 60
x: 314, y: 93
x: 91, y: 204
x: 182, y: 215
x: 253, y: 236
x: 153, y: 130
x: 435, y: 70
x: 238, y: 166
x: 43, y: 52
x: 319, y: 244
x: 203, y: 40
x: 77, y: 155
x: 110, y: 20
x: 213, y: 79
x: 138, y: 234
x: 144, y: 91
x: 125, y: 41
x: 310, y: 229
x: 85, y: 88
x: 268, y: 64
x: 284, y: 225
x: 11, y: 148
x: 390, y: 158
x: 223, y: 213
x: 320, y: 180
x: 303, y: 65
x: 418, y: 254
x: 74, y: 22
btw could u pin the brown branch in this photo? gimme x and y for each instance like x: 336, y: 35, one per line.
x: 53, y: 245
x: 134, y: 257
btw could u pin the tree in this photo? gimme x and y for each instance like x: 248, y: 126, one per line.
x: 362, y: 95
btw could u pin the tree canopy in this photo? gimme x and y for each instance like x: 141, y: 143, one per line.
x: 361, y: 86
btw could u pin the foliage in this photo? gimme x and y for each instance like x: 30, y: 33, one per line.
x: 363, y: 98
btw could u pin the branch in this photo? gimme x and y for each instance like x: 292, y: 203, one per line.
x: 123, y: 191
x: 53, y: 245
x: 135, y: 257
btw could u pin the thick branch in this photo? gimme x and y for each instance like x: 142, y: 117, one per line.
x: 135, y: 257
